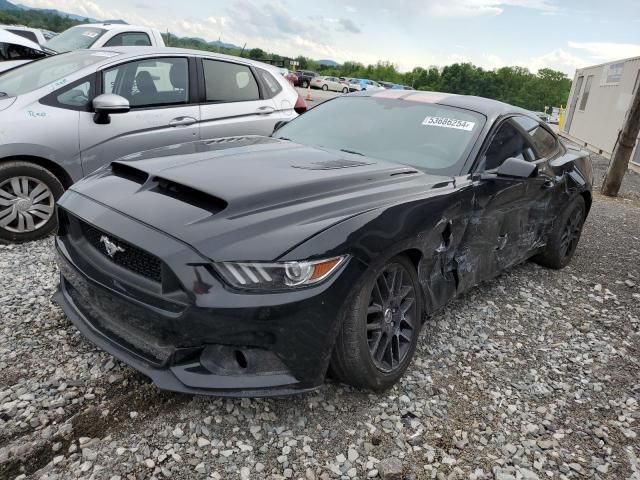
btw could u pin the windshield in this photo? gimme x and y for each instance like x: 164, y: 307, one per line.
x: 434, y: 138
x: 37, y: 74
x: 75, y: 38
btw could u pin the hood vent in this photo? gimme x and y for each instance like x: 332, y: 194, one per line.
x: 128, y: 172
x: 332, y: 164
x: 189, y: 195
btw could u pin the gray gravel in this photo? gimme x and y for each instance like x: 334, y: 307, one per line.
x: 533, y: 375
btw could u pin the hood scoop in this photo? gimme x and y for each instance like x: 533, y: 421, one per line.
x: 332, y: 164
x: 188, y: 195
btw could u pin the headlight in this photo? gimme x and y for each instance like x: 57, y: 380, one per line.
x: 278, y: 276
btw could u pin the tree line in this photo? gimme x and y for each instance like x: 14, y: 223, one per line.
x: 514, y: 85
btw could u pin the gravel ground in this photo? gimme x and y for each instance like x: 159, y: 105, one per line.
x: 533, y: 375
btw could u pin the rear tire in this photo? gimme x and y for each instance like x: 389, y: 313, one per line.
x: 325, y: 88
x: 28, y: 193
x: 380, y: 327
x: 345, y: 90
x: 305, y: 84
x: 564, y: 237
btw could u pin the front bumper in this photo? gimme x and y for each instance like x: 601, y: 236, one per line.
x: 205, y: 340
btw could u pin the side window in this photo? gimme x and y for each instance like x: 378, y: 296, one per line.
x: 72, y: 97
x: 508, y: 142
x: 146, y: 83
x: 585, y: 94
x: 543, y: 141
x: 229, y: 82
x: 271, y: 84
x: 129, y: 39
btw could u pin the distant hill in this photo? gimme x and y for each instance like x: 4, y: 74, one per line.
x: 4, y: 5
x: 7, y: 6
x: 219, y: 44
x: 327, y: 63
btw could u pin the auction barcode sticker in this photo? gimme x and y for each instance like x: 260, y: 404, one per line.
x: 449, y: 123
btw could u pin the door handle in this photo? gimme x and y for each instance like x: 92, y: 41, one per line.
x: 266, y: 110
x: 182, y: 121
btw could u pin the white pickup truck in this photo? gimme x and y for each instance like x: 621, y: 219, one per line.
x: 98, y: 35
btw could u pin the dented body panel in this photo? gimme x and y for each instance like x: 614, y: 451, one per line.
x: 263, y: 199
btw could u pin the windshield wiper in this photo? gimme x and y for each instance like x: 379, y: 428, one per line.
x: 351, y: 151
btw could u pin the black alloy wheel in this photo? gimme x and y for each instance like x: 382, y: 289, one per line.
x: 380, y: 326
x: 391, y: 317
x: 571, y: 233
x: 563, y: 240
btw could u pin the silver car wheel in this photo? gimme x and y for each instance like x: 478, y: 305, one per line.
x: 26, y: 204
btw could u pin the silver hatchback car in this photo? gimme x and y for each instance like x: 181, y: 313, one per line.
x: 62, y: 117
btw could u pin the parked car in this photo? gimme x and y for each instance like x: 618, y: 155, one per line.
x: 34, y: 34
x: 250, y: 270
x: 64, y: 116
x: 99, y: 35
x: 329, y: 83
x: 291, y: 77
x: 304, y: 78
x: 363, y: 84
x: 16, y: 50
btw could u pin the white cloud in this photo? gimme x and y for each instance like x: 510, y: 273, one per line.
x: 606, y: 51
x: 557, y: 59
x: 467, y: 8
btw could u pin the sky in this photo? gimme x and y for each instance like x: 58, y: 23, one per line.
x: 559, y: 34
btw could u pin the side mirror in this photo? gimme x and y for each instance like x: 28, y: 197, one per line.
x: 279, y: 124
x: 517, y: 168
x: 106, y: 104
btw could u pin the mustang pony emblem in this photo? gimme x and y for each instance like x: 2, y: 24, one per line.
x: 110, y: 247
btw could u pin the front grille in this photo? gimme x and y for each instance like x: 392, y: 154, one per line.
x: 132, y: 258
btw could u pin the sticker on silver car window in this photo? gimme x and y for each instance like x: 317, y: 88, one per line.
x: 449, y: 123
x: 90, y: 34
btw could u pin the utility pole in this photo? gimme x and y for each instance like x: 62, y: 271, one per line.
x: 622, y: 151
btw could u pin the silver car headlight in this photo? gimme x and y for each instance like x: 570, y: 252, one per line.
x: 279, y: 275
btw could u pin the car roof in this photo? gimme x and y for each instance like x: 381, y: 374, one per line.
x: 8, y: 37
x: 113, y: 26
x: 491, y: 109
x: 141, y: 51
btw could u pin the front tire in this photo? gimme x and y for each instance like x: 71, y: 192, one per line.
x: 305, y: 84
x: 564, y: 237
x: 325, y: 88
x: 380, y: 328
x: 345, y: 90
x: 28, y: 193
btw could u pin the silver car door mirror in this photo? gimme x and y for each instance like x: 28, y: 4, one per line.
x: 106, y: 104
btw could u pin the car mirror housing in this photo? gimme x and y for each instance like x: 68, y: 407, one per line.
x: 517, y: 168
x: 108, y: 103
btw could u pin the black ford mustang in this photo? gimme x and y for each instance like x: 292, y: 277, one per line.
x: 250, y: 265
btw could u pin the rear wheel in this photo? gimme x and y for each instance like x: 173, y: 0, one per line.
x: 304, y: 83
x: 380, y: 330
x: 565, y: 236
x: 345, y: 90
x: 325, y: 87
x: 28, y: 193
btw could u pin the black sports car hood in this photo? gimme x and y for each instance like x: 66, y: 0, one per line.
x: 251, y: 198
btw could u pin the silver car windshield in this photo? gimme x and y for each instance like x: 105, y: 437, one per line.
x: 75, y: 38
x: 37, y: 74
x: 432, y: 137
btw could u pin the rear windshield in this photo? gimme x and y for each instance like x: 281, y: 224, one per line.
x: 37, y: 74
x: 434, y: 138
x: 75, y: 38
